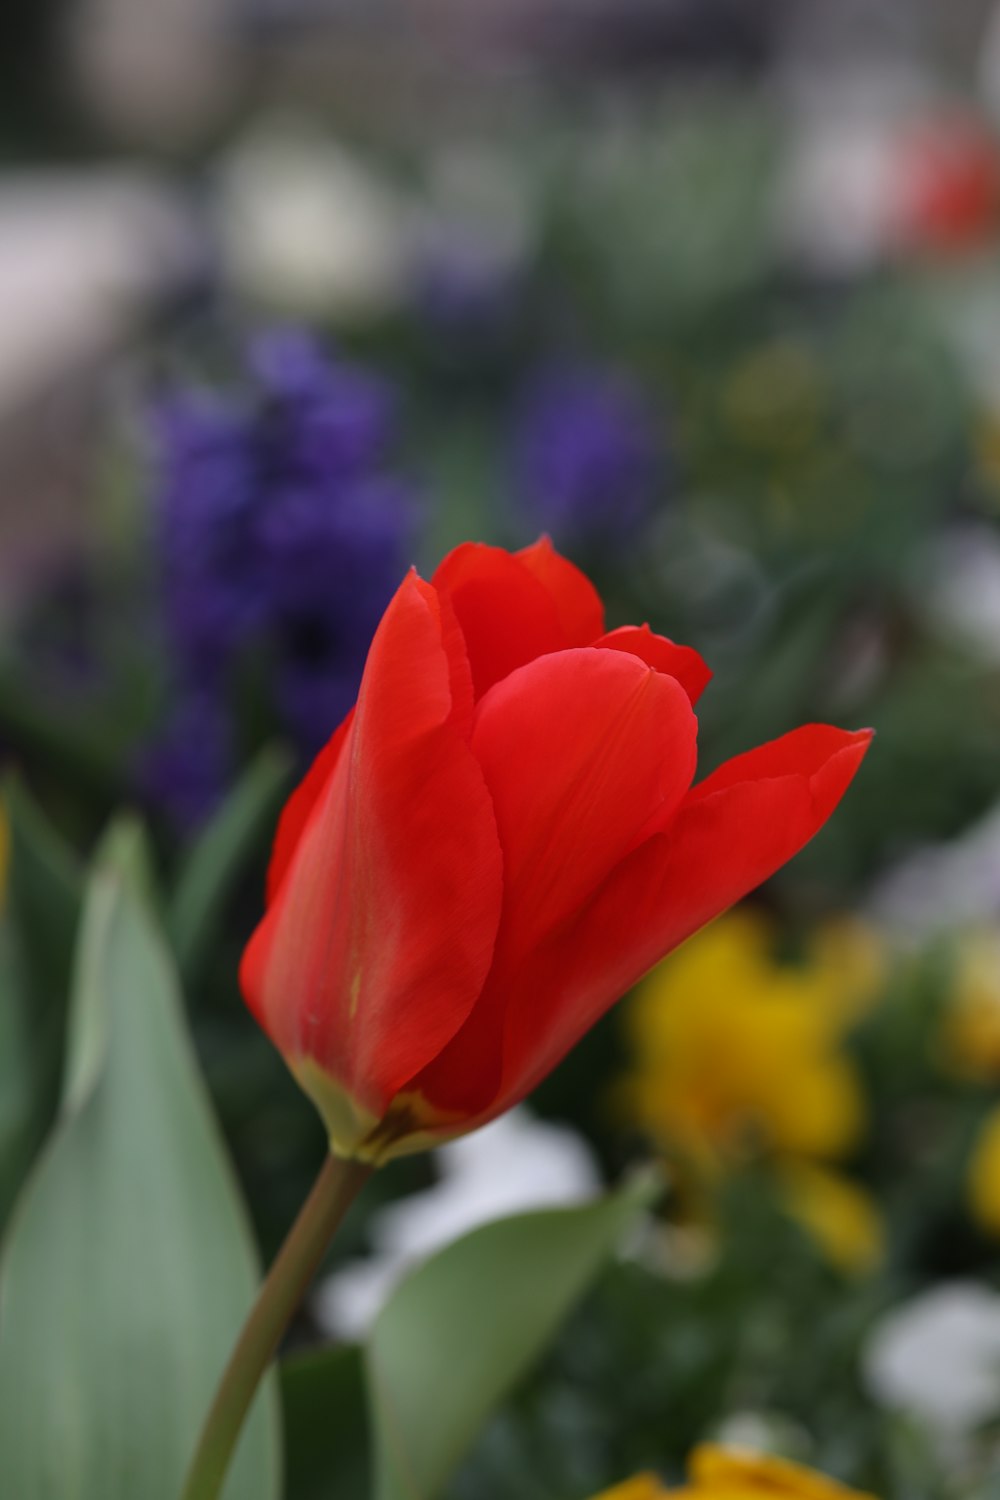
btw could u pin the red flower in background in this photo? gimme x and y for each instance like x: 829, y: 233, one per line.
x: 500, y: 839
x: 947, y: 194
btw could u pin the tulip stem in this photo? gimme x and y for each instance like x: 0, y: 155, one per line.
x: 297, y: 1261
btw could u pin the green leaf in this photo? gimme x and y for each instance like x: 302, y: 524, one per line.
x: 462, y: 1328
x: 19, y: 1130
x: 45, y: 892
x: 44, y: 895
x: 323, y: 1399
x: 218, y: 859
x: 129, y: 1266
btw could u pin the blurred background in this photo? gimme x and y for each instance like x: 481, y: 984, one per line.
x: 296, y: 292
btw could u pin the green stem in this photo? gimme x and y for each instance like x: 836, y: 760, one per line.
x: 333, y: 1192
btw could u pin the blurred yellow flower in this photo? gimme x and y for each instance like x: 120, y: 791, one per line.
x: 983, y: 1180
x: 737, y: 1054
x: 838, y: 1213
x: 972, y: 1022
x: 734, y: 1474
x: 736, y: 1051
x: 642, y: 1487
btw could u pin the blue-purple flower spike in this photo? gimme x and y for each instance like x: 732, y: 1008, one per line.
x: 589, y: 455
x: 280, y: 525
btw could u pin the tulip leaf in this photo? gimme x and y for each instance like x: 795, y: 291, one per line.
x: 323, y: 1400
x: 18, y: 1108
x: 219, y: 857
x: 44, y: 894
x: 465, y: 1326
x: 129, y: 1265
x: 46, y: 889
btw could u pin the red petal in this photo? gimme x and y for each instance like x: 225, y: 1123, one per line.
x: 732, y: 832
x: 577, y: 602
x: 382, y: 931
x: 584, y: 753
x: 300, y: 804
x: 682, y: 662
x: 514, y: 608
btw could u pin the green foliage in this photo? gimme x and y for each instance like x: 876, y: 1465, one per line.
x: 44, y: 895
x: 129, y: 1265
x: 325, y: 1421
x: 458, y: 1333
x: 218, y: 858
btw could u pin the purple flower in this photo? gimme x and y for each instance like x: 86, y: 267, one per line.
x: 588, y: 456
x: 206, y: 522
x: 186, y: 771
x: 279, y: 524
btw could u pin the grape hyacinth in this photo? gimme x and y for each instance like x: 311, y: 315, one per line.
x: 589, y: 462
x: 280, y: 526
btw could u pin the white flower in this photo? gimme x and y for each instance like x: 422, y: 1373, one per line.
x: 938, y: 1358
x: 82, y: 254
x: 514, y: 1164
x: 308, y: 228
x: 832, y: 204
x: 941, y: 886
x: 960, y: 588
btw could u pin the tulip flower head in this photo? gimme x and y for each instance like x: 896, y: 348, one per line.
x: 500, y: 839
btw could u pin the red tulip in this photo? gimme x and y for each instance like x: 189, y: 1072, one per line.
x: 499, y: 840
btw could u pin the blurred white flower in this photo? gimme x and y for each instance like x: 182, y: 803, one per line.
x: 960, y: 588
x: 763, y: 1432
x: 308, y: 228
x: 832, y: 204
x: 881, y: 165
x: 836, y: 197
x: 944, y: 885
x: 82, y: 256
x: 937, y: 1358
x: 514, y: 1164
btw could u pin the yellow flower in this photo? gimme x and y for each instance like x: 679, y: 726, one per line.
x: 642, y: 1487
x: 737, y: 1474
x: 838, y: 1213
x: 734, y: 1474
x: 736, y: 1051
x: 738, y: 1054
x: 983, y: 1180
x: 972, y: 1024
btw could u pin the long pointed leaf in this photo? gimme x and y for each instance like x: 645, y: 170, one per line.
x: 129, y: 1265
x: 458, y: 1333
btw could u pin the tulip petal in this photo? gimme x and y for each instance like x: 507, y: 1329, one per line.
x: 732, y: 832
x: 581, y: 752
x: 510, y: 608
x: 577, y: 602
x: 585, y: 753
x: 298, y: 808
x: 682, y: 662
x: 382, y: 930
x: 300, y: 804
